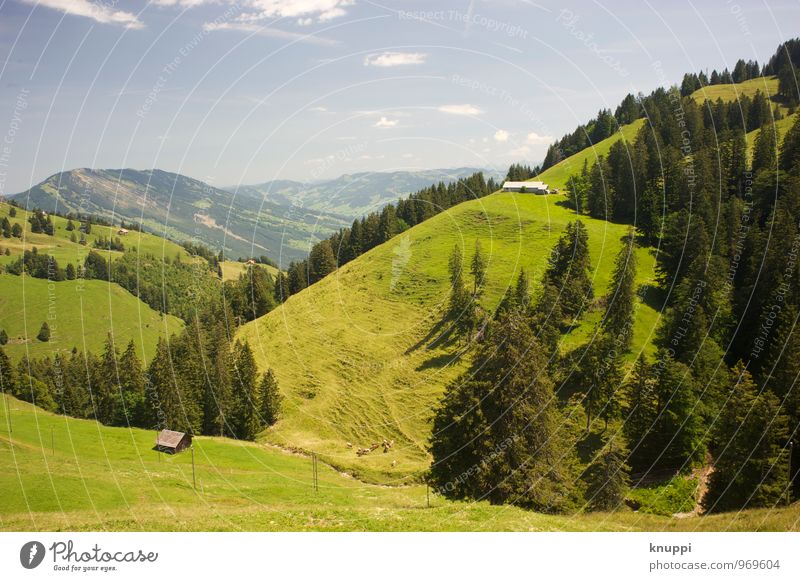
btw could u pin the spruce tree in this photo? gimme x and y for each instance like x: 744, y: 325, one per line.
x: 163, y: 403
x: 321, y: 261
x: 107, y: 388
x: 569, y: 268
x: 9, y: 382
x: 132, y: 384
x: 270, y: 397
x: 678, y: 430
x: 244, y: 392
x: 497, y: 432
x: 751, y: 460
x: 621, y: 298
x: 478, y: 269
x: 3, y: 337
x: 640, y: 415
x: 606, y: 477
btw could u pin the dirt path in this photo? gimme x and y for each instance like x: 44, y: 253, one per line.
x: 702, y: 474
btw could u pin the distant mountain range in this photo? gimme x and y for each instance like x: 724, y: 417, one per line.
x: 280, y: 219
x: 353, y: 195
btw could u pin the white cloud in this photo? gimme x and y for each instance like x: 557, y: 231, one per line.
x: 465, y: 109
x: 536, y: 139
x: 394, y: 59
x: 97, y: 11
x: 385, y: 123
x: 522, y: 151
x: 501, y: 135
x: 254, y: 28
x: 304, y: 12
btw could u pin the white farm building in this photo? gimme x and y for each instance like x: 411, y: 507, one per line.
x: 529, y: 187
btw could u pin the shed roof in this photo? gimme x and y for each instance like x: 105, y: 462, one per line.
x: 169, y: 438
x: 532, y: 185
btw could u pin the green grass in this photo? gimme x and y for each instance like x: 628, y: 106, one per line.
x: 734, y: 91
x: 365, y: 355
x: 65, y: 251
x: 558, y: 175
x: 232, y: 269
x: 780, y: 127
x: 80, y: 314
x: 62, y: 474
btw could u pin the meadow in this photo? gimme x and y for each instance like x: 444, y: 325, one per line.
x: 62, y: 474
x: 365, y: 354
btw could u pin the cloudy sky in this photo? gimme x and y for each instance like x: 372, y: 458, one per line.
x: 255, y: 90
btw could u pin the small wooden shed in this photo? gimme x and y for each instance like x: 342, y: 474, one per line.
x: 172, y: 442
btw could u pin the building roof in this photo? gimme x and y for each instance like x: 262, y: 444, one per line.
x: 531, y: 185
x: 169, y: 439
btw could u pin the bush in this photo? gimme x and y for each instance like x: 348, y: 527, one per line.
x: 44, y: 333
x: 677, y: 495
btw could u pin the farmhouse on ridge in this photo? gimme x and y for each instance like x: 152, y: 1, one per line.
x: 172, y: 442
x: 529, y: 187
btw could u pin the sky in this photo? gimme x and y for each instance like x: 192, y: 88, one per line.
x: 248, y: 91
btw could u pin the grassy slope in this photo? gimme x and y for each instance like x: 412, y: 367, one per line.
x: 100, y: 478
x: 84, y: 314
x: 731, y: 92
x: 232, y: 269
x: 780, y: 127
x: 557, y: 175
x: 80, y: 314
x: 364, y: 354
x: 65, y: 251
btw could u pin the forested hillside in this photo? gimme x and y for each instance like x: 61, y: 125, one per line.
x: 629, y: 337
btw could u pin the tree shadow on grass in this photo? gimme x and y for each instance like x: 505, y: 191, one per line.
x: 440, y: 335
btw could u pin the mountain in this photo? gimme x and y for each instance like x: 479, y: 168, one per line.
x: 353, y: 195
x: 182, y: 208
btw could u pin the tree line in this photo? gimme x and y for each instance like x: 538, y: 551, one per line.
x: 199, y: 382
x: 376, y: 228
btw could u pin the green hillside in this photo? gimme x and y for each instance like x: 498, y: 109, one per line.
x: 365, y: 354
x: 80, y: 314
x: 780, y: 127
x: 65, y: 251
x: 734, y: 91
x: 558, y: 175
x: 59, y: 474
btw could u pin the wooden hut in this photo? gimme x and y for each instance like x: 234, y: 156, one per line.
x: 172, y: 442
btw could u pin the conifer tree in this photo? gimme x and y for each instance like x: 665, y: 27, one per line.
x: 640, y: 415
x: 568, y: 270
x: 3, y: 337
x: 600, y: 374
x: 106, y: 386
x: 620, y: 301
x: 678, y: 430
x: 478, y: 269
x: 751, y: 460
x: 244, y: 392
x: 321, y: 261
x: 9, y: 382
x: 132, y: 387
x: 270, y: 397
x: 606, y: 477
x: 164, y: 408
x: 497, y: 432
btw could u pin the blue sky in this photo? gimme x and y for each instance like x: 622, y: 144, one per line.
x: 255, y: 90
